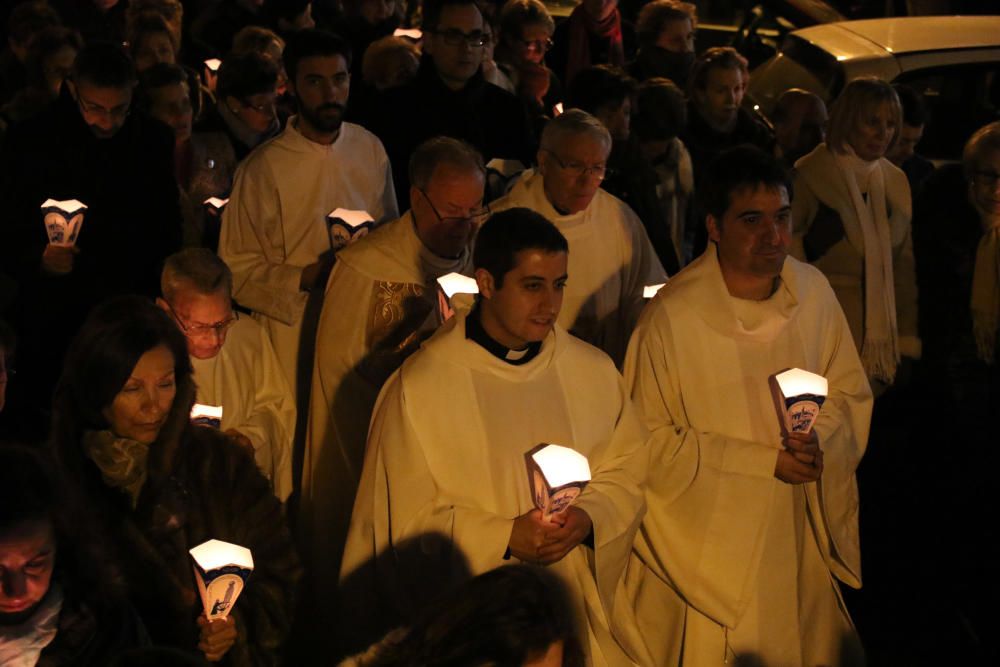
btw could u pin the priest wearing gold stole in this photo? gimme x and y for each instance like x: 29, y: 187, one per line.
x: 444, y: 492
x: 612, y: 258
x: 380, y: 304
x: 235, y: 366
x: 748, y: 529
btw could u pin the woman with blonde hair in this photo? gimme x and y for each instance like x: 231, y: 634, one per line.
x: 851, y: 214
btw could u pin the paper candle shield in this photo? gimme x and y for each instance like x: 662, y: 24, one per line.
x: 63, y: 220
x: 557, y: 475
x: 215, y: 204
x: 207, y: 415
x: 456, y: 283
x: 411, y: 33
x: 221, y: 570
x: 506, y: 168
x: 347, y: 226
x: 798, y: 397
x: 213, y: 65
x: 557, y: 109
x: 649, y: 291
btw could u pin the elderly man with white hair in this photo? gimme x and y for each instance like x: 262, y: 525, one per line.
x: 611, y: 258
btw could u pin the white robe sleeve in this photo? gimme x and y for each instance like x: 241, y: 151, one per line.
x: 252, y: 245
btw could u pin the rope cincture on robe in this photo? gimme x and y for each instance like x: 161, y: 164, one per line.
x: 985, y: 299
x: 880, y: 346
x: 581, y: 27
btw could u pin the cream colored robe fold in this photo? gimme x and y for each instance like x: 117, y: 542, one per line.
x: 737, y: 561
x: 380, y: 304
x: 445, y: 477
x: 610, y: 261
x: 275, y: 223
x: 246, y: 380
x: 819, y: 180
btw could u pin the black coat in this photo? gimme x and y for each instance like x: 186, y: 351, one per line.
x: 488, y: 117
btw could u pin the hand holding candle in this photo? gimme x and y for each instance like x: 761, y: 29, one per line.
x: 798, y: 396
x: 221, y: 570
x: 557, y: 476
x: 347, y: 226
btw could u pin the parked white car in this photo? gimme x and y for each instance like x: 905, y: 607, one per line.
x: 954, y: 61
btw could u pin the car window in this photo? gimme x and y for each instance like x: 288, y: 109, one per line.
x: 961, y: 99
x: 798, y: 65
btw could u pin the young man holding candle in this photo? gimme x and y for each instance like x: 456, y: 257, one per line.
x: 445, y: 492
x: 748, y: 529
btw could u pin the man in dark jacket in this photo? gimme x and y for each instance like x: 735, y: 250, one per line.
x: 450, y: 97
x: 87, y: 147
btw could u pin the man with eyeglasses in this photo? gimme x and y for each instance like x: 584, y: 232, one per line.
x: 89, y: 146
x: 611, y: 259
x: 274, y: 233
x: 450, y: 97
x: 234, y: 363
x: 380, y: 304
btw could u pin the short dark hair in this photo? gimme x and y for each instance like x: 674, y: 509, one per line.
x: 915, y: 111
x: 599, y: 86
x: 311, y: 43
x: 509, y: 232
x: 738, y: 168
x: 246, y: 74
x: 434, y: 8
x: 160, y: 75
x: 662, y: 112
x: 104, y: 65
x: 716, y: 57
x: 441, y: 150
x: 654, y: 17
x: 506, y: 616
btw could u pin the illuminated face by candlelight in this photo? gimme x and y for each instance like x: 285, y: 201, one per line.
x: 140, y: 408
x: 205, y: 319
x: 171, y: 104
x: 104, y: 110
x: 572, y: 169
x: 27, y: 559
x: 448, y: 211
x: 522, y: 307
x: 755, y: 233
x: 322, y: 85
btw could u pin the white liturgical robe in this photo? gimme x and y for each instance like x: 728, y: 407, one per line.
x: 380, y: 304
x: 445, y: 476
x: 610, y: 261
x: 275, y: 223
x: 246, y: 380
x: 736, y: 561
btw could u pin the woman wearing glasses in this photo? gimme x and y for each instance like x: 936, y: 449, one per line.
x: 162, y: 486
x: 525, y: 36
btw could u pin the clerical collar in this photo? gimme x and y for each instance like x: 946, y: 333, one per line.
x: 475, y: 332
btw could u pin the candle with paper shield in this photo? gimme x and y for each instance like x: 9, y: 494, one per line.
x: 649, y: 291
x: 63, y: 220
x: 213, y: 64
x: 557, y: 475
x: 449, y: 286
x: 410, y: 33
x: 347, y: 226
x: 207, y: 415
x: 221, y: 570
x: 215, y: 204
x: 798, y: 396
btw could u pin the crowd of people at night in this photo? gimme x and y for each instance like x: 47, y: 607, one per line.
x: 226, y: 236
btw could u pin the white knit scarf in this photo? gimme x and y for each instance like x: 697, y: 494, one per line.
x: 21, y: 645
x: 985, y: 300
x: 880, y: 347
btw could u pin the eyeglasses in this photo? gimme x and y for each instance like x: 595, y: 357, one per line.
x: 204, y: 330
x: 542, y: 45
x: 472, y: 216
x: 988, y: 179
x: 577, y: 170
x: 453, y: 37
x: 119, y: 113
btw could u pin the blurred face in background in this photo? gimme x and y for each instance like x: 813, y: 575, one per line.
x: 171, y: 104
x: 154, y: 48
x: 57, y: 67
x: 721, y: 97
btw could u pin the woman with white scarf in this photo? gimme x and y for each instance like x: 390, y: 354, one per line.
x: 851, y: 214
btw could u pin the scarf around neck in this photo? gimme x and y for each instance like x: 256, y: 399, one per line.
x: 122, y: 462
x: 880, y: 346
x: 985, y: 301
x: 581, y: 27
x: 21, y: 645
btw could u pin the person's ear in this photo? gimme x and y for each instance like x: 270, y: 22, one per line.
x: 713, y: 227
x: 163, y: 305
x: 485, y: 281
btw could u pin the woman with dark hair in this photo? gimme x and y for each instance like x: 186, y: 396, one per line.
x: 513, y: 616
x: 163, y: 486
x: 51, y: 53
x: 61, y: 603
